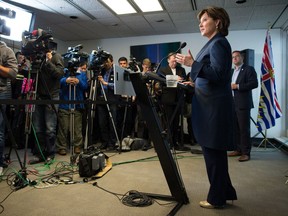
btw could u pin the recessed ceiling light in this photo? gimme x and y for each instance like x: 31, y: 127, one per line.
x: 120, y: 6
x: 149, y: 5
x: 73, y: 17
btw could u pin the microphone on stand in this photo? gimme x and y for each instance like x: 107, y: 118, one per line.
x: 158, y: 66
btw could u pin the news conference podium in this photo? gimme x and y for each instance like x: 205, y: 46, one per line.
x: 161, y: 145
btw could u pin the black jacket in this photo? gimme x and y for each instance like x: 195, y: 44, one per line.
x: 247, y: 80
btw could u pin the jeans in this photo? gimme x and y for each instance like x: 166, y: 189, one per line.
x: 45, y: 123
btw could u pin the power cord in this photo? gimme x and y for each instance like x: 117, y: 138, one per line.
x: 1, y: 206
x: 136, y: 199
x: 133, y: 198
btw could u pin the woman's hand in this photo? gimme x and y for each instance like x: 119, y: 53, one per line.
x: 186, y: 60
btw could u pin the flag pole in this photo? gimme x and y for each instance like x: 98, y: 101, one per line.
x: 269, y: 108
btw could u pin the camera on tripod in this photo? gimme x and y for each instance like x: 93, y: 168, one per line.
x: 73, y: 58
x: 133, y: 64
x: 97, y: 59
x: 36, y: 44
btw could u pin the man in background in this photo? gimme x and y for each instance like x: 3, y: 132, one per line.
x: 107, y: 122
x: 244, y: 79
x: 170, y: 98
x: 45, y: 115
x: 72, y: 87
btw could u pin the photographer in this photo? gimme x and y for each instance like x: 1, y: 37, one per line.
x: 45, y: 115
x: 70, y: 81
x: 8, y: 71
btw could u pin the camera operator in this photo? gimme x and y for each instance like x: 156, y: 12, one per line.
x: 45, y: 115
x: 106, y: 79
x: 8, y: 71
x: 126, y: 113
x: 70, y: 81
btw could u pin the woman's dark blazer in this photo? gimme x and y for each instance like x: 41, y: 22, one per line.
x: 212, y: 113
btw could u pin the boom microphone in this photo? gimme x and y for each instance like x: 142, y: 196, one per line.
x: 182, y: 45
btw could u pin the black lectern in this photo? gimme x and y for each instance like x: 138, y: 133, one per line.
x: 161, y: 145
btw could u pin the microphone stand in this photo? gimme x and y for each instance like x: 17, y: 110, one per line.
x: 158, y: 66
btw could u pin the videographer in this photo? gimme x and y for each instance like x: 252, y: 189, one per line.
x: 8, y: 71
x: 126, y: 113
x: 70, y: 81
x: 106, y: 79
x: 45, y: 115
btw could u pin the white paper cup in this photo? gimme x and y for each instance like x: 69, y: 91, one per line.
x: 171, y: 81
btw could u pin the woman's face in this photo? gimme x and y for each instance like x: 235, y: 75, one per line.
x: 207, y: 26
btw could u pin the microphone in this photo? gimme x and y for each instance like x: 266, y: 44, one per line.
x: 182, y: 45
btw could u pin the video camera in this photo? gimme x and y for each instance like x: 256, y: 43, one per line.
x: 36, y: 44
x: 73, y: 58
x: 97, y: 59
x: 133, y: 64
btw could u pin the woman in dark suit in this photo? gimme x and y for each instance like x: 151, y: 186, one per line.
x: 212, y: 103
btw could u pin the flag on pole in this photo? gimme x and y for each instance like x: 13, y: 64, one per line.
x: 269, y: 108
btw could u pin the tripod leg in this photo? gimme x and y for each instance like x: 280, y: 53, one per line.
x: 90, y: 113
x: 13, y: 142
x: 124, y: 124
x: 110, y: 115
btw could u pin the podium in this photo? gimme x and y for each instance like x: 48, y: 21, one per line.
x: 161, y: 145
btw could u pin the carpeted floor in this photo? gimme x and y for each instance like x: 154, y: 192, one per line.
x: 260, y: 184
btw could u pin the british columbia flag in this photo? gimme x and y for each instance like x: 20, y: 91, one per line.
x: 269, y: 108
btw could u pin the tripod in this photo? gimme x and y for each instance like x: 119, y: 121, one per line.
x: 21, y: 180
x: 72, y: 89
x: 91, y: 110
x: 110, y: 115
x: 27, y: 89
x: 265, y: 139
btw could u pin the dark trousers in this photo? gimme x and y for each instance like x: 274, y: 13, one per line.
x: 45, y: 123
x: 221, y: 188
x: 108, y: 134
x: 242, y: 131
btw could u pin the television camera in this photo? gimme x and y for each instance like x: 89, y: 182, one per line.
x: 97, y: 59
x: 133, y: 64
x: 36, y: 44
x: 73, y: 58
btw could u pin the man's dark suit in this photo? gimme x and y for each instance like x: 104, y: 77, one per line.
x: 169, y: 99
x: 247, y: 80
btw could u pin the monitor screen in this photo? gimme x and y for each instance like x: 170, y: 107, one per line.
x: 122, y: 83
x: 14, y: 21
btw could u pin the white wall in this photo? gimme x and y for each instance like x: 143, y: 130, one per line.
x: 239, y: 40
